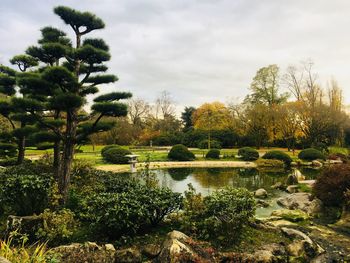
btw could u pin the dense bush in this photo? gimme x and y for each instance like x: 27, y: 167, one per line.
x: 270, y: 163
x: 106, y: 148
x: 44, y: 146
x: 221, y: 214
x: 180, y: 152
x: 58, y: 226
x: 25, y: 189
x: 213, y: 144
x: 311, y: 154
x: 213, y: 154
x: 8, y: 161
x: 125, y: 212
x: 332, y: 184
x: 116, y: 155
x: 278, y: 155
x: 248, y: 154
x: 166, y: 139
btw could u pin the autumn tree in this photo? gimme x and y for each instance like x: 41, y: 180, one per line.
x: 211, y: 116
x: 57, y: 91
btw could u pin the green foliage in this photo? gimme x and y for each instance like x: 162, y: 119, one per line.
x: 220, y: 215
x: 104, y: 149
x: 44, y: 146
x: 270, y: 163
x: 180, y: 152
x: 311, y: 154
x: 248, y: 154
x: 213, y: 154
x: 278, y: 155
x: 332, y: 184
x: 25, y: 189
x: 116, y: 155
x: 8, y: 150
x: 213, y: 144
x: 58, y: 226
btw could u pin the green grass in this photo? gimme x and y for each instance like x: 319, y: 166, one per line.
x: 337, y: 149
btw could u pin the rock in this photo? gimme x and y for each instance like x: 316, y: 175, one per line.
x: 178, y: 247
x: 290, y: 215
x: 4, y: 260
x: 87, y: 252
x: 27, y: 225
x: 292, y: 179
x: 278, y: 185
x: 338, y: 161
x: 151, y: 251
x: 316, y: 163
x: 280, y: 223
x: 310, y: 183
x: 260, y: 193
x: 128, y: 255
x: 302, y: 201
x: 292, y: 189
x: 302, y: 245
x: 262, y: 203
x: 270, y: 253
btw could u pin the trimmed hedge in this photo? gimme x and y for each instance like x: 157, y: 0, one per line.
x: 278, y: 155
x: 213, y: 144
x: 311, y: 154
x: 213, y: 154
x: 116, y: 155
x: 248, y: 154
x: 104, y: 149
x: 180, y: 152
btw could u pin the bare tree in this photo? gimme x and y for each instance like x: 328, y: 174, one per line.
x: 138, y: 109
x: 164, y: 105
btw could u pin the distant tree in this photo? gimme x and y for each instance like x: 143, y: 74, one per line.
x: 138, y: 109
x: 187, y: 118
x: 57, y: 91
x: 211, y: 116
x: 164, y: 105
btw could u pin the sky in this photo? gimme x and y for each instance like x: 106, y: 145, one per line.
x: 197, y: 50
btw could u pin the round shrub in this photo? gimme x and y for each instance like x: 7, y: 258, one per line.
x: 116, y: 155
x: 180, y: 152
x: 311, y: 154
x: 104, y: 149
x: 44, y: 146
x: 332, y: 184
x: 213, y: 144
x: 213, y: 154
x: 278, y: 155
x: 248, y: 154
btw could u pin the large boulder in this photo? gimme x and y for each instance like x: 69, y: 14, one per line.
x: 260, y: 193
x: 302, y: 245
x: 179, y: 247
x: 85, y: 253
x: 292, y: 189
x: 290, y: 215
x: 303, y: 201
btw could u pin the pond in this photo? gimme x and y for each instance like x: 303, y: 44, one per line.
x: 207, y: 180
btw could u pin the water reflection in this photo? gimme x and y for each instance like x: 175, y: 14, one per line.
x: 207, y: 180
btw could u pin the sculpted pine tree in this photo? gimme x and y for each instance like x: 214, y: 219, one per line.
x: 58, y: 89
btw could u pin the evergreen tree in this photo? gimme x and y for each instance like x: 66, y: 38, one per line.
x: 56, y: 92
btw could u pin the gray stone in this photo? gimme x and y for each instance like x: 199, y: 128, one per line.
x: 292, y: 189
x: 262, y: 203
x: 302, y: 201
x: 151, y: 251
x: 260, y: 193
x: 316, y: 163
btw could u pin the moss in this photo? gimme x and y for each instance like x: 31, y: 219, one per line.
x: 291, y: 215
x: 304, y: 188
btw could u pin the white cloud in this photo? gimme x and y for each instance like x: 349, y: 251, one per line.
x: 198, y: 50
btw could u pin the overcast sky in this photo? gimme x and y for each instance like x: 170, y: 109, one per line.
x: 198, y: 50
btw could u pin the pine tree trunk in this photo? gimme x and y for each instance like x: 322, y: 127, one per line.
x: 68, y: 154
x: 57, y: 159
x: 21, y: 149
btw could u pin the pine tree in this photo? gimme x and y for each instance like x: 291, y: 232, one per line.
x: 56, y: 92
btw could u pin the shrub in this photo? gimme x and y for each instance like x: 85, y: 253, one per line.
x: 248, y: 154
x: 180, y: 152
x: 104, y: 149
x: 58, y: 226
x: 8, y: 162
x: 332, y: 184
x: 311, y: 154
x: 44, y: 146
x: 25, y: 189
x: 221, y: 214
x: 213, y: 154
x: 115, y: 214
x: 278, y: 155
x: 116, y: 155
x: 213, y: 144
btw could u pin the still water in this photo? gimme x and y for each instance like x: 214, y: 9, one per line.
x: 207, y: 180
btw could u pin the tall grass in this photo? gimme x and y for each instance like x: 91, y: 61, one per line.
x: 36, y: 253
